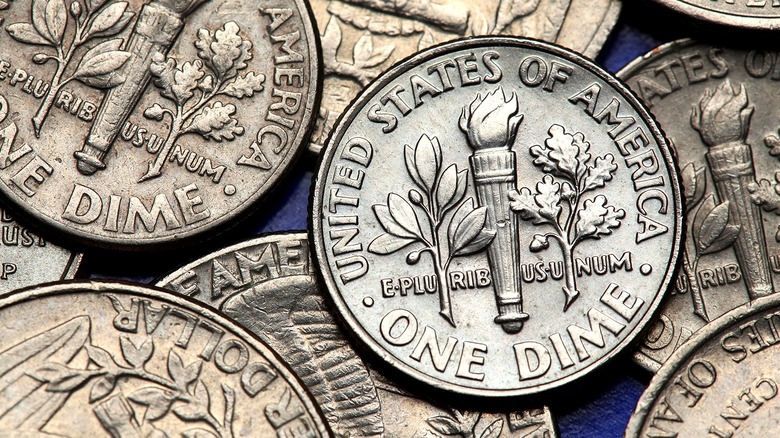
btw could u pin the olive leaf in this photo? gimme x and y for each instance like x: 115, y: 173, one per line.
x: 331, y: 39
x: 26, y: 33
x: 158, y: 401
x: 694, y: 184
x: 101, y: 357
x: 403, y: 215
x: 451, y: 188
x: 109, y: 21
x: 136, y: 356
x: 715, y: 233
x: 215, y: 121
x: 56, y: 17
x: 425, y: 162
x: 98, y: 66
x: 365, y: 56
x: 196, y: 408
x: 60, y: 378
x: 469, y: 234
x: 387, y: 243
x: 493, y: 430
x: 197, y: 433
x: 444, y: 425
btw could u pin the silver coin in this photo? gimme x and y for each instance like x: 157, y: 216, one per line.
x: 750, y: 14
x: 268, y: 285
x: 720, y: 383
x: 525, y: 180
x: 362, y: 38
x: 111, y: 359
x: 27, y: 259
x: 718, y: 107
x: 130, y: 123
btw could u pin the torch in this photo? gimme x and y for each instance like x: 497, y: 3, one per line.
x: 159, y: 25
x: 722, y: 119
x: 490, y: 124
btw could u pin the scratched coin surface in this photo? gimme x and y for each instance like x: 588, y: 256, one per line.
x: 496, y: 216
x: 27, y: 259
x: 750, y: 14
x: 722, y: 382
x: 718, y: 108
x: 130, y: 123
x: 362, y: 38
x: 111, y: 359
x: 268, y: 285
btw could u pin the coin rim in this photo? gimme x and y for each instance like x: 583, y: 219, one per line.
x: 138, y: 242
x: 687, y: 349
x: 713, y: 16
x: 357, y: 105
x: 20, y: 296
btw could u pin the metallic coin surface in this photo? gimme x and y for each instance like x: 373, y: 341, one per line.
x: 131, y: 123
x: 268, y: 285
x: 718, y: 107
x: 110, y: 359
x: 750, y: 14
x: 721, y: 383
x: 27, y: 259
x: 362, y: 38
x: 496, y: 216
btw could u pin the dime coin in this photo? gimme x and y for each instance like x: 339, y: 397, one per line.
x: 268, y: 285
x: 496, y: 216
x: 28, y: 259
x: 111, y: 359
x: 750, y: 14
x: 362, y: 38
x: 720, y: 383
x: 718, y: 108
x: 130, y: 123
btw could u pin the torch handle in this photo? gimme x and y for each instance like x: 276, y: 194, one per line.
x: 732, y: 169
x: 156, y: 30
x: 494, y: 177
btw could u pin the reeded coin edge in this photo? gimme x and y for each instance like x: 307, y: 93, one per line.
x: 686, y: 350
x: 356, y: 106
x: 99, y: 286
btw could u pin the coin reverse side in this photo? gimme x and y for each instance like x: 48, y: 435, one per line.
x: 130, y: 123
x: 111, y: 359
x: 718, y: 107
x: 722, y: 382
x: 750, y: 14
x: 496, y: 217
x: 269, y: 286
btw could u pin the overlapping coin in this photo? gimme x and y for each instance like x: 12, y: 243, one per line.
x: 496, y: 217
x: 750, y: 14
x: 361, y: 38
x: 721, y: 383
x: 269, y: 286
x: 718, y: 107
x: 130, y: 123
x: 27, y: 259
x: 112, y: 359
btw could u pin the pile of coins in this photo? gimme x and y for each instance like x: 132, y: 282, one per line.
x: 478, y: 230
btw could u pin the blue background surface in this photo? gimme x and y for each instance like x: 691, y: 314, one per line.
x: 599, y: 408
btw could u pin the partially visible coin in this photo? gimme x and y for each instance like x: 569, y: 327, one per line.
x: 269, y: 286
x: 362, y: 38
x: 718, y: 106
x: 27, y: 259
x: 721, y: 383
x: 131, y: 123
x: 111, y: 359
x: 750, y: 14
x: 496, y: 217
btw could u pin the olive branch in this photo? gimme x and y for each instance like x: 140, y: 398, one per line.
x: 464, y: 424
x: 558, y: 200
x: 192, y: 86
x: 49, y: 27
x: 440, y: 200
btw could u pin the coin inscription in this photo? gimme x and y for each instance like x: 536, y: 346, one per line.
x: 753, y: 14
x: 275, y: 295
x: 448, y: 183
x: 125, y: 123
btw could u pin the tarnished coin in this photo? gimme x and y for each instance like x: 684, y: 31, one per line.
x: 362, y: 38
x: 131, y: 123
x: 110, y: 359
x: 496, y: 216
x: 721, y: 383
x: 750, y: 14
x: 27, y: 259
x: 269, y: 286
x: 718, y: 107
